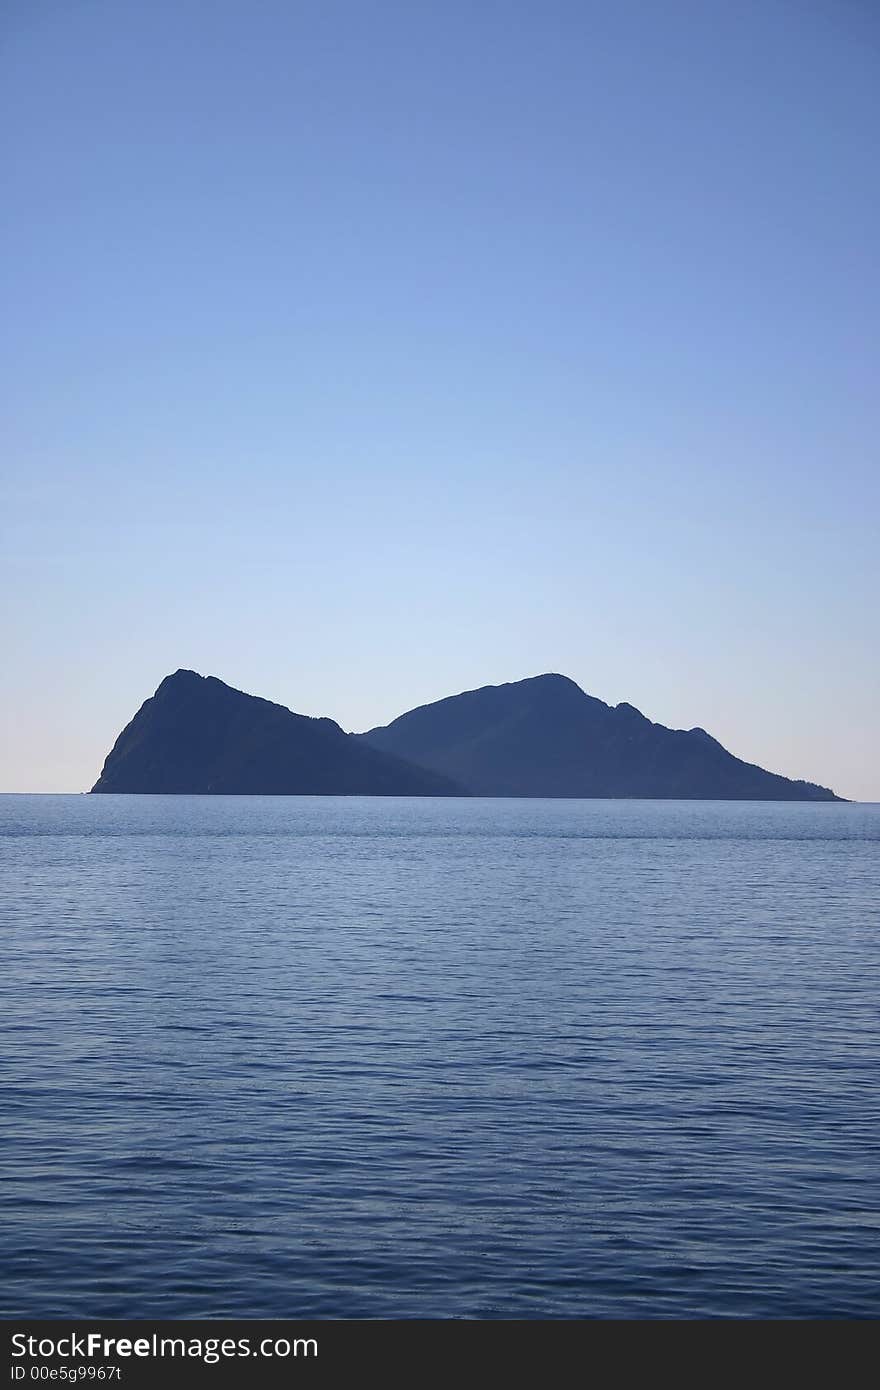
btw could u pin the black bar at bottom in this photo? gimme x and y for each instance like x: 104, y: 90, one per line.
x: 136, y: 1353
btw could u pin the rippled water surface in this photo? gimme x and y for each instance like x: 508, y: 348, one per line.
x: 360, y: 1057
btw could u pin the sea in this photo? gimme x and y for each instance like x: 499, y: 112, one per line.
x: 294, y: 1057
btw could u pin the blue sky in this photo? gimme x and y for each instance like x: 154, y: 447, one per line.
x: 360, y: 353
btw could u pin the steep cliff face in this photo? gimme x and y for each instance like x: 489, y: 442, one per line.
x: 198, y: 735
x: 546, y: 737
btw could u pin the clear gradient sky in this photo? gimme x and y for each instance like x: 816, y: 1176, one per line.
x: 360, y: 352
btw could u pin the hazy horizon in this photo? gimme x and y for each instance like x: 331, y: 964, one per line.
x: 362, y: 355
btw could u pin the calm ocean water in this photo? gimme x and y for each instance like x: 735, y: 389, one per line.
x: 290, y: 1057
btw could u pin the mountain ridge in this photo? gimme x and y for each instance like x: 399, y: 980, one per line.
x: 542, y: 736
x: 198, y: 735
x: 545, y: 736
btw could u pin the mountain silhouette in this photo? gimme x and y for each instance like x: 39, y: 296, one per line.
x: 546, y: 737
x: 198, y: 735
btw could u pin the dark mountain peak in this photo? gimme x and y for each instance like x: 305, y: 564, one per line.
x: 549, y: 680
x: 184, y: 679
x: 554, y: 691
x: 549, y: 688
x: 544, y: 736
x: 199, y: 735
x: 190, y: 685
x: 630, y: 712
x: 701, y: 733
x: 180, y: 679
